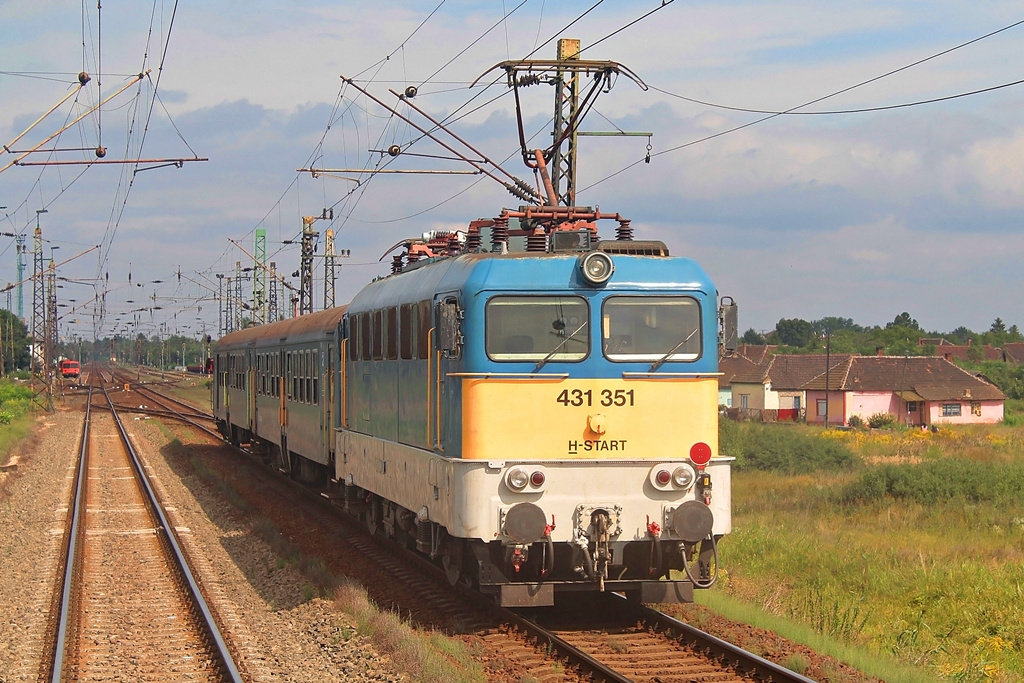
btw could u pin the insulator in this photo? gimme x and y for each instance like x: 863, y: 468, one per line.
x: 101, y: 152
x: 499, y: 234
x: 394, y: 150
x: 537, y: 240
x: 453, y: 244
x: 528, y: 79
x: 411, y: 91
x: 396, y: 263
x: 412, y: 256
x: 423, y: 539
x: 624, y: 231
x: 83, y: 78
x: 473, y: 240
x: 516, y: 192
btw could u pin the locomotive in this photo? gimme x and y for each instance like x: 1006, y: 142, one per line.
x: 539, y: 417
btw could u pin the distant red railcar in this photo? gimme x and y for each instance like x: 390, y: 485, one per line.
x: 69, y: 369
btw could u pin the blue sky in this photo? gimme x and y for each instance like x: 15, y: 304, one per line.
x: 860, y: 215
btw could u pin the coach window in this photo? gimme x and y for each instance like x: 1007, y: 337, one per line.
x: 309, y: 376
x: 535, y: 328
x: 651, y: 328
x: 289, y: 369
x: 315, y: 371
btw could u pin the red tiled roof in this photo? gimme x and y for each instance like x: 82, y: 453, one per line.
x: 932, y: 377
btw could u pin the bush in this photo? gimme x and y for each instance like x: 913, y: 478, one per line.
x: 780, y: 448
x: 882, y: 421
x: 939, y: 481
x: 855, y: 422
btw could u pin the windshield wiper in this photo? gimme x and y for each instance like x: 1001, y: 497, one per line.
x: 658, y: 363
x: 562, y: 343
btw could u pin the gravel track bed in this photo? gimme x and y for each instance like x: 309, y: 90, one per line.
x: 278, y: 634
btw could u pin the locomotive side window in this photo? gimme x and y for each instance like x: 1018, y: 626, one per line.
x: 532, y: 328
x: 651, y: 328
x: 405, y: 318
x: 314, y: 394
x: 364, y: 336
x: 423, y: 330
x: 353, y: 337
x: 391, y: 333
x: 378, y: 335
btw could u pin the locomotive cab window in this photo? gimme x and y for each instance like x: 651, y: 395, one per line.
x: 651, y: 328
x: 532, y: 328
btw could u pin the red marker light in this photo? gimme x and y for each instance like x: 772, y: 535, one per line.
x: 537, y: 478
x: 700, y: 454
x: 663, y: 477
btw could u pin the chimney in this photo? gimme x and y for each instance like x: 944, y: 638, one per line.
x: 948, y: 356
x: 969, y: 343
x: 879, y: 350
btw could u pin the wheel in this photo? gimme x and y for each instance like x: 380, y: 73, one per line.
x: 451, y: 559
x: 372, y: 516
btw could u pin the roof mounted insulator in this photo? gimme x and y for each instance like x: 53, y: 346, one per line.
x: 454, y: 246
x: 499, y: 235
x: 537, y: 240
x: 625, y: 231
x: 396, y: 264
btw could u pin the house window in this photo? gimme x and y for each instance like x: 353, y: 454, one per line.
x: 912, y: 406
x: 976, y: 408
x: 744, y: 401
x: 822, y: 407
x: 950, y: 410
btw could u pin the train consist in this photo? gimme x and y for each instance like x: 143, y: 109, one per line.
x: 533, y: 407
x: 538, y: 421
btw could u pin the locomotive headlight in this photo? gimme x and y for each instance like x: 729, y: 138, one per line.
x: 597, y: 267
x: 517, y: 478
x: 683, y: 477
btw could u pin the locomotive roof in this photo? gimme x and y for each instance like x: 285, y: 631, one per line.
x: 527, y: 271
x: 302, y: 328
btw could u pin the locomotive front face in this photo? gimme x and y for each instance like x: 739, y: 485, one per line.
x: 596, y: 412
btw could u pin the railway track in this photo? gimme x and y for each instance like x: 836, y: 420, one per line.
x: 607, y: 638
x: 130, y: 607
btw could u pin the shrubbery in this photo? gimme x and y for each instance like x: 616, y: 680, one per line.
x: 778, y: 448
x: 938, y: 481
x: 882, y: 421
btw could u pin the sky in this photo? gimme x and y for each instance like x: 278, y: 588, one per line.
x: 807, y: 214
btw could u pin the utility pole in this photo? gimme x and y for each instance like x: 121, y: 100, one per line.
x: 272, y: 311
x: 567, y: 97
x: 259, y: 279
x: 306, y: 262
x: 41, y: 397
x: 229, y: 309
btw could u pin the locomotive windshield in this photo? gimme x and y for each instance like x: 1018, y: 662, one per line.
x: 537, y: 328
x: 645, y: 328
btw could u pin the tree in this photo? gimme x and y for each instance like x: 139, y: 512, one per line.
x: 998, y: 326
x: 14, y: 338
x: 904, y: 320
x: 752, y: 336
x: 794, y: 332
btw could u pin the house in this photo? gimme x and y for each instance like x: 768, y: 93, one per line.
x: 730, y: 365
x: 774, y: 389
x: 968, y: 351
x: 918, y: 390
x: 1013, y: 352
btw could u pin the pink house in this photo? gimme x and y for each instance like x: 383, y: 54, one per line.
x: 918, y: 390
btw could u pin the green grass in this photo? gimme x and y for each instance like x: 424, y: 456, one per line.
x: 913, y: 553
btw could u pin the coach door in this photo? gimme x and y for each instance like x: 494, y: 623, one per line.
x: 326, y: 394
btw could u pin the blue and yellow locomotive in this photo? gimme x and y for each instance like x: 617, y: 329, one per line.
x: 538, y: 416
